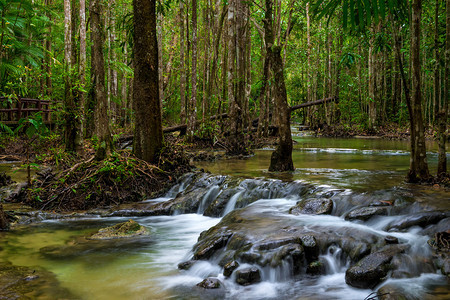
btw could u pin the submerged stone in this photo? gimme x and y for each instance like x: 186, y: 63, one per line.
x: 421, y: 219
x: 122, y: 230
x: 248, y: 276
x: 313, y: 207
x: 18, y: 282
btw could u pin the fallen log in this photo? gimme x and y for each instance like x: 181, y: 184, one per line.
x: 312, y: 103
x: 183, y: 127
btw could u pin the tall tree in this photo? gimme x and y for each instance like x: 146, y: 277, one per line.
x: 148, y: 136
x: 418, y: 169
x: 193, y: 101
x: 443, y: 113
x: 281, y: 159
x: 102, y: 129
x: 72, y: 133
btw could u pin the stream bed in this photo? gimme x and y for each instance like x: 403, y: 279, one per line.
x: 240, y: 212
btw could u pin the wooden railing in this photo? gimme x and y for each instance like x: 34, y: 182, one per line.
x: 12, y: 111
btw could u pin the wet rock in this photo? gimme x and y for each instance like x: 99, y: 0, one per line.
x: 229, y: 268
x: 268, y: 238
x: 372, y: 269
x: 311, y: 247
x: 421, y: 219
x: 365, y: 213
x: 29, y: 283
x: 315, y: 268
x: 122, y: 230
x: 209, y: 283
x: 206, y: 250
x: 313, y: 207
x: 391, y: 239
x: 248, y: 276
x: 186, y: 265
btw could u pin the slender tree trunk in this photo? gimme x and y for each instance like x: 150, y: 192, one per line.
x: 102, y: 130
x: 82, y: 67
x: 182, y: 66
x: 443, y: 113
x: 159, y: 28
x: 281, y: 159
x: 193, y: 101
x: 308, y: 54
x: 70, y: 128
x: 148, y: 136
x: 418, y: 166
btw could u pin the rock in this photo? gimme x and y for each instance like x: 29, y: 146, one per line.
x: 248, y: 276
x: 210, y: 283
x: 229, y: 268
x: 186, y: 265
x: 389, y: 239
x: 122, y: 230
x: 393, y: 292
x: 313, y: 207
x: 315, y: 268
x: 365, y: 213
x: 311, y: 247
x: 372, y: 269
x: 17, y: 282
x: 421, y: 219
x: 206, y: 250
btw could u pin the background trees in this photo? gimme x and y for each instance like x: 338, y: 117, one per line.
x: 213, y: 59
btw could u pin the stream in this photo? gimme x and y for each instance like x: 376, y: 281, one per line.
x: 253, y: 208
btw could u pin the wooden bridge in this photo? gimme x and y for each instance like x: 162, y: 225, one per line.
x: 12, y: 111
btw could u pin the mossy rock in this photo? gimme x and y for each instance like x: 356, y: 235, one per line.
x: 122, y: 230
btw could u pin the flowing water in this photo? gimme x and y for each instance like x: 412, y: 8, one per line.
x: 350, y: 172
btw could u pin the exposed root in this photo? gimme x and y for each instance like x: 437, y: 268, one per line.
x: 120, y: 178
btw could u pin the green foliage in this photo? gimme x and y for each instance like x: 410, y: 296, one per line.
x: 360, y: 14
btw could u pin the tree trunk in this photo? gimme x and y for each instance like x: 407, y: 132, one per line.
x: 443, y: 113
x: 71, y: 127
x: 281, y: 159
x: 102, y: 130
x: 182, y: 66
x: 193, y: 102
x: 418, y: 170
x: 82, y: 67
x: 159, y: 29
x: 148, y: 136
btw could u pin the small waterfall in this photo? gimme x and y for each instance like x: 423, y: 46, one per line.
x: 209, y: 196
x: 232, y: 203
x: 333, y: 260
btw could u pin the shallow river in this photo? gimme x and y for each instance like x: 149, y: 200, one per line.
x: 148, y: 269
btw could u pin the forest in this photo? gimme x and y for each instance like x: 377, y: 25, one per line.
x: 148, y: 110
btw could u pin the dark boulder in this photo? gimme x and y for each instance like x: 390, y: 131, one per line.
x: 209, y: 283
x: 372, y: 269
x: 315, y: 268
x: 186, y: 265
x: 310, y: 247
x: 229, y: 268
x: 248, y: 276
x: 365, y: 213
x: 313, y: 207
